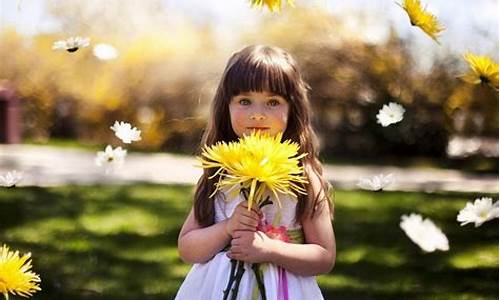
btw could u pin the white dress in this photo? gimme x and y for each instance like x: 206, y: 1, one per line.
x: 208, y: 280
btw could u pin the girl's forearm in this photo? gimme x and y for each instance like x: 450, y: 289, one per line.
x: 200, y: 245
x: 302, y: 259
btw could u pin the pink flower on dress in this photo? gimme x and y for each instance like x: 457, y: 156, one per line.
x: 275, y: 233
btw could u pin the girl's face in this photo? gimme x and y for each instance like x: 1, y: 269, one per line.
x: 258, y: 111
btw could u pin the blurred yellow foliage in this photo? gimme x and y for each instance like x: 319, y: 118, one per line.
x: 162, y: 81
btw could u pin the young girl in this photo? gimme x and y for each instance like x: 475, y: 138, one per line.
x: 261, y: 89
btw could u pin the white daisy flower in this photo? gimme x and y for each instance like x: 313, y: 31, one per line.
x: 424, y: 233
x: 390, y: 114
x: 481, y: 211
x: 105, y: 52
x: 125, y: 132
x: 376, y: 183
x: 10, y: 179
x: 110, y: 158
x: 72, y: 44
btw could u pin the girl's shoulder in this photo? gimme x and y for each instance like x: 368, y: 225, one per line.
x: 317, y: 184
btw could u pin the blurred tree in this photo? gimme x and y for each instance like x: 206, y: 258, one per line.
x: 351, y: 79
x: 167, y: 70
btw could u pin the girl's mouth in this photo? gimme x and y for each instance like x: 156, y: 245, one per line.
x: 258, y: 128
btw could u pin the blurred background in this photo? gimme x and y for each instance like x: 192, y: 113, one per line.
x: 116, y: 239
x: 356, y: 56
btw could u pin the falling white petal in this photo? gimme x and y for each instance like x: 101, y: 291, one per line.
x: 390, y: 114
x: 125, y: 132
x: 376, y: 183
x: 481, y: 211
x: 105, y: 52
x: 10, y: 179
x: 71, y: 44
x: 110, y: 158
x: 424, y: 233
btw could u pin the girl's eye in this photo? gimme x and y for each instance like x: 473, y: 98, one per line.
x: 273, y: 102
x: 244, y: 101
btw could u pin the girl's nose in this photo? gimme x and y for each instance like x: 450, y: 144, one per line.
x: 257, y: 113
x: 257, y: 116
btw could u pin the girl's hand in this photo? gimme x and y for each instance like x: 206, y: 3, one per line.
x: 242, y: 219
x: 251, y: 247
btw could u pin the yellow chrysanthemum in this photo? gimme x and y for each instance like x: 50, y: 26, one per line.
x: 15, y: 275
x: 421, y: 18
x: 272, y: 5
x: 483, y: 70
x: 257, y: 162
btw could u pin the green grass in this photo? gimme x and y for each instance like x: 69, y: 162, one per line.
x: 119, y: 242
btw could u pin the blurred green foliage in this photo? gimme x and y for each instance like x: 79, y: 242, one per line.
x: 120, y: 242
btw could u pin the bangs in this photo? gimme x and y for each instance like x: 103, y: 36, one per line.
x: 260, y: 74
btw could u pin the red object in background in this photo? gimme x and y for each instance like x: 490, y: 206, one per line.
x: 10, y: 115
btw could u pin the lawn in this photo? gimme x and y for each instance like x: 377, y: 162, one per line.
x: 119, y: 242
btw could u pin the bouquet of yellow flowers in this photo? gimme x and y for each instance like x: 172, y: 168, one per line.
x: 255, y: 164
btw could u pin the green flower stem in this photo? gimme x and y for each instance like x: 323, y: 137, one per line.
x: 239, y: 275
x: 260, y: 280
x: 231, y: 279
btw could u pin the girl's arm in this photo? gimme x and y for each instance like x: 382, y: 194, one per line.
x: 198, y: 244
x: 315, y: 257
x: 318, y: 255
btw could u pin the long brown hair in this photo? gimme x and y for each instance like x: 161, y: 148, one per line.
x: 258, y: 69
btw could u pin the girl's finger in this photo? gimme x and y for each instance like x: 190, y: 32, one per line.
x: 249, y: 221
x: 252, y: 215
x: 235, y: 250
x: 245, y: 227
x: 245, y: 206
x: 238, y: 255
x: 231, y: 255
x: 237, y: 233
x: 255, y: 211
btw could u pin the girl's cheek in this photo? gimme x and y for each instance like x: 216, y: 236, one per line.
x: 238, y: 114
